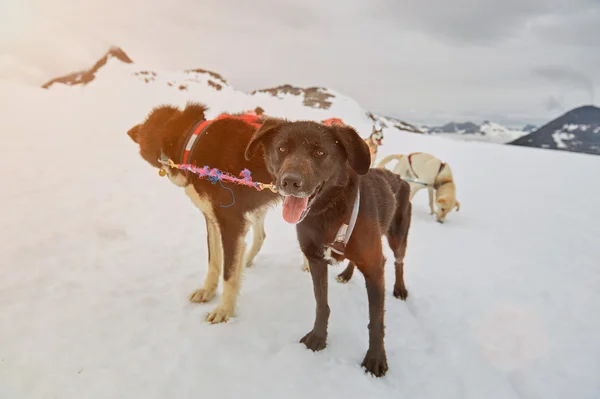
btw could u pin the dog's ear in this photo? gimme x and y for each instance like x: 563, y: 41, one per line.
x: 355, y: 147
x: 457, y: 206
x: 133, y: 133
x: 265, y: 131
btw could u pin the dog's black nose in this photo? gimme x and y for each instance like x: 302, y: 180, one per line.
x: 291, y: 181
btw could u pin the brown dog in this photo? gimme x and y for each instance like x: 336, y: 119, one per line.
x: 218, y: 144
x: 323, y: 173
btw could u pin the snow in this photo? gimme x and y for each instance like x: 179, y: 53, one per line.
x: 560, y: 137
x: 99, y: 254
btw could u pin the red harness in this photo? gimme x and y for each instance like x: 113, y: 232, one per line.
x: 332, y: 121
x: 202, y: 126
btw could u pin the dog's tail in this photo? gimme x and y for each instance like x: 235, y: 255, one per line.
x: 389, y: 159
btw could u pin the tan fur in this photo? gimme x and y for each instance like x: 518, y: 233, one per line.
x: 179, y: 179
x: 215, y: 265
x: 425, y: 168
x: 306, y: 268
x: 374, y: 141
x: 231, y: 288
x: 257, y: 219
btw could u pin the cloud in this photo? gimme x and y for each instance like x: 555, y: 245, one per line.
x: 581, y: 28
x: 473, y: 22
x: 568, y: 77
x: 445, y: 60
x: 552, y: 104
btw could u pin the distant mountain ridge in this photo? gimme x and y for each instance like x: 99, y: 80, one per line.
x: 214, y: 90
x: 204, y: 84
x: 486, y: 131
x: 84, y: 77
x: 577, y: 130
x: 529, y: 128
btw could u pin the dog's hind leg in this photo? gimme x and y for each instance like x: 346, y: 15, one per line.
x: 397, y: 238
x: 233, y: 228
x: 375, y: 360
x: 257, y: 219
x: 431, y: 208
x: 346, y: 275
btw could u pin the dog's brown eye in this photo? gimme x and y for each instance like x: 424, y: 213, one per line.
x: 282, y: 149
x: 319, y: 153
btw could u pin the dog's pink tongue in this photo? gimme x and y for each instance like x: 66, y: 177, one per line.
x: 293, y: 208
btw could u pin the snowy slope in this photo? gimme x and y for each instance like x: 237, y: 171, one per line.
x: 99, y: 254
x: 486, y: 132
x: 115, y: 67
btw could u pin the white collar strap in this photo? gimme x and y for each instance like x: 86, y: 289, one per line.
x: 345, y: 232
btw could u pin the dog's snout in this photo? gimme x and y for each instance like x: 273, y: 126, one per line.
x: 292, y: 181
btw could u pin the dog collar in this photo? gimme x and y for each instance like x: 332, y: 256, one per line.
x: 193, y: 135
x: 345, y: 232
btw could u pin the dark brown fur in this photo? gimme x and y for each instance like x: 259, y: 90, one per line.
x: 222, y: 146
x: 333, y: 161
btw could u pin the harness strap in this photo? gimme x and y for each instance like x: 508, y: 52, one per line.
x: 345, y: 231
x: 202, y: 126
x: 442, y: 165
x: 411, y: 165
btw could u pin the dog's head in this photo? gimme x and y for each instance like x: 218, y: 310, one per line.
x: 164, y: 130
x: 377, y: 135
x: 445, y: 205
x: 307, y: 159
x: 150, y: 134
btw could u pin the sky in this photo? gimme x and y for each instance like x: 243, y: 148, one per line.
x: 427, y: 62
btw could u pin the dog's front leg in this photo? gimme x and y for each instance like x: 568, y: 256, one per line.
x: 316, y: 340
x: 233, y: 231
x: 431, y: 208
x: 375, y: 360
x: 215, y: 262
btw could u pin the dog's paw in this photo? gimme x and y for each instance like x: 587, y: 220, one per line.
x: 314, y: 342
x: 401, y: 293
x: 342, y: 278
x: 219, y: 315
x: 375, y: 363
x: 202, y: 295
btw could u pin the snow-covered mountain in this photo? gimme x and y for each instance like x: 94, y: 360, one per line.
x: 577, y: 130
x: 209, y: 87
x: 469, y: 131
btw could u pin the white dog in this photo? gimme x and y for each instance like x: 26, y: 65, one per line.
x: 422, y: 170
